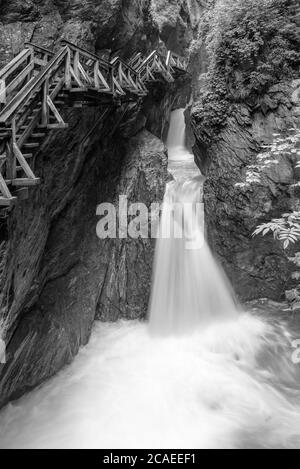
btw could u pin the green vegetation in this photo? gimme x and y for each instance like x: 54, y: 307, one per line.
x: 165, y: 12
x: 286, y: 229
x: 252, y: 45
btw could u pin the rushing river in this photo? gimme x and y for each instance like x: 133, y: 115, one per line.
x: 199, y: 374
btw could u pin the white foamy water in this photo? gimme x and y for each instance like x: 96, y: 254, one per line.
x: 189, y: 288
x: 176, y: 139
x: 227, y: 382
x: 127, y: 389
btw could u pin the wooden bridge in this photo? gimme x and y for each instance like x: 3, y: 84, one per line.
x: 38, y: 83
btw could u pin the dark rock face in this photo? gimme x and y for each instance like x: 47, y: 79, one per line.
x: 127, y: 280
x: 256, y: 266
x: 56, y: 276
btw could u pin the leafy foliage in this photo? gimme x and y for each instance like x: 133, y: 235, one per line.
x: 285, y: 229
x: 284, y: 147
x: 252, y: 45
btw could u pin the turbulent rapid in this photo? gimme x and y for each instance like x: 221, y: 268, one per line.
x: 199, y: 374
x: 189, y: 288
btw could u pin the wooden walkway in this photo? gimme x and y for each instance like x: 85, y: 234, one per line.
x: 37, y: 84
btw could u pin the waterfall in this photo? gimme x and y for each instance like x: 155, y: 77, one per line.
x: 189, y: 287
x: 231, y: 384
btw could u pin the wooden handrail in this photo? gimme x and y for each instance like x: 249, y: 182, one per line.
x: 146, y: 61
x: 15, y: 63
x: 86, y: 53
x: 117, y: 59
x: 38, y: 81
x: 32, y: 86
x: 39, y: 48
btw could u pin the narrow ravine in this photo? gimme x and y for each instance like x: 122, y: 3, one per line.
x: 201, y: 373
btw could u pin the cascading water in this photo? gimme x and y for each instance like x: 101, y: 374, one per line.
x: 189, y: 287
x: 231, y: 384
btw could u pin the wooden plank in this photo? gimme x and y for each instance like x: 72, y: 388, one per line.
x: 25, y: 182
x: 76, y: 78
x: 11, y: 160
x: 29, y: 129
x: 68, y: 79
x: 168, y: 59
x: 55, y: 111
x: 32, y: 86
x: 79, y: 90
x: 4, y: 189
x: 2, y: 92
x: 45, y: 108
x: 20, y: 78
x: 76, y: 63
x: 118, y: 87
x: 57, y: 89
x: 103, y: 80
x: 84, y: 74
x: 96, y: 75
x: 8, y: 202
x: 14, y: 64
x: 39, y: 49
x: 57, y: 126
x: 31, y: 145
x: 25, y: 166
x: 86, y: 54
x: 24, y: 114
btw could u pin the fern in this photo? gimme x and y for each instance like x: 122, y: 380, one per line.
x: 285, y: 229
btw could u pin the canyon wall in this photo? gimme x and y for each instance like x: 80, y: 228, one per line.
x: 56, y: 275
x: 249, y: 93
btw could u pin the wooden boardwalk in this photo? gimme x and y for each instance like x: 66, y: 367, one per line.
x: 37, y: 84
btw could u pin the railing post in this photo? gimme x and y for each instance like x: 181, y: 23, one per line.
x: 45, y: 108
x: 76, y: 63
x: 168, y: 60
x: 96, y: 75
x: 111, y: 80
x: 10, y: 154
x: 2, y: 92
x: 68, y: 82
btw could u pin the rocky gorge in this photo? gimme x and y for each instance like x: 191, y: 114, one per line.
x: 56, y: 276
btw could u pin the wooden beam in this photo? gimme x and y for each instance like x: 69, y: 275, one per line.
x: 118, y: 87
x: 68, y: 70
x: 96, y: 75
x: 20, y: 78
x: 29, y: 129
x: 7, y: 202
x: 25, y: 182
x: 76, y: 63
x: 84, y: 74
x: 2, y: 92
x: 45, y: 108
x: 55, y: 111
x: 73, y: 74
x: 104, y: 82
x: 4, y: 189
x: 25, y: 166
x: 14, y: 64
x: 11, y: 160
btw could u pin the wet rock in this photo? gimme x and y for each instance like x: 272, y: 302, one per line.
x: 257, y: 266
x: 56, y: 276
x: 126, y: 289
